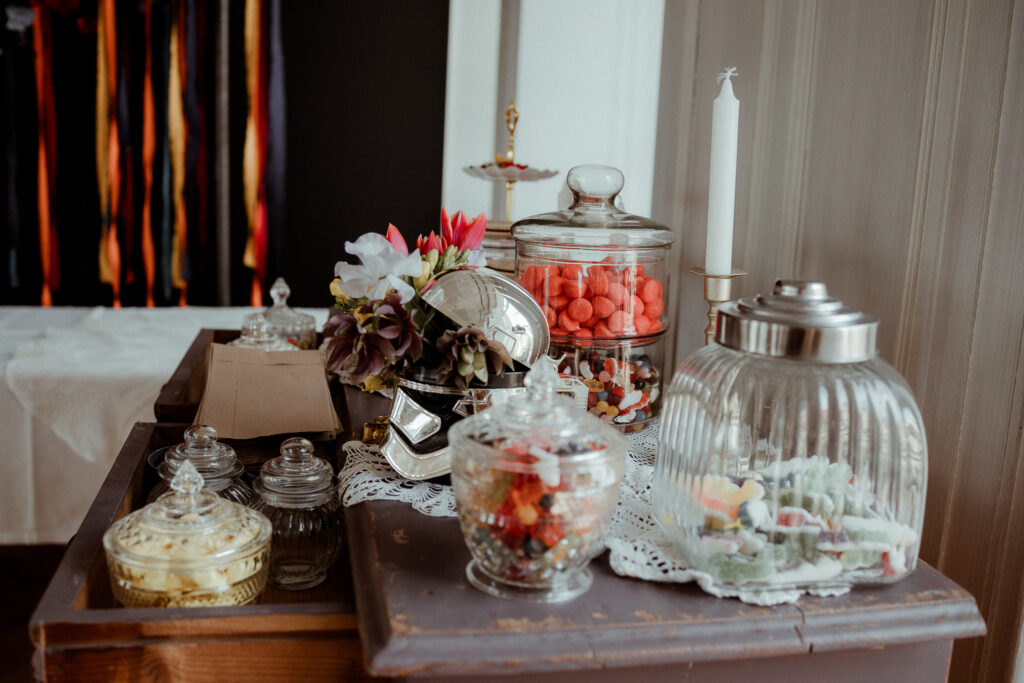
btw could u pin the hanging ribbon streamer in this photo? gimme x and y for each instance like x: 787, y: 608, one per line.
x: 177, y: 134
x: 148, y: 154
x: 47, y: 156
x: 252, y: 161
x: 108, y: 147
x: 276, y: 154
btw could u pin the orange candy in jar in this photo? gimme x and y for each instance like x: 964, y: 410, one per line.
x: 601, y: 277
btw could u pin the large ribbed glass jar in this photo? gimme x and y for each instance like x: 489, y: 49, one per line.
x: 536, y: 480
x: 791, y: 455
x: 297, y: 491
x: 601, y: 276
x: 216, y: 462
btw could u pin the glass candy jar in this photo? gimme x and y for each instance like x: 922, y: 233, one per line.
x: 297, y: 491
x: 791, y: 456
x: 287, y: 324
x: 190, y: 548
x: 536, y: 480
x: 257, y: 335
x: 601, y: 277
x: 216, y: 462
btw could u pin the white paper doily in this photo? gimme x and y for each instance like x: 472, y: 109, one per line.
x: 637, y: 547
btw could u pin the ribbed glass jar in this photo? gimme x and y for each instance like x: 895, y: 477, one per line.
x: 298, y: 493
x: 790, y: 454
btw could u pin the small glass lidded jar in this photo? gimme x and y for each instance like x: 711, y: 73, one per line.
x: 190, y: 548
x: 297, y: 491
x: 216, y: 462
x: 257, y: 335
x: 791, y: 456
x: 287, y: 324
x: 536, y: 481
x: 601, y: 277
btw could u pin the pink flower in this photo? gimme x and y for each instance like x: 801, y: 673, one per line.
x: 431, y: 241
x: 397, y: 241
x: 464, y: 234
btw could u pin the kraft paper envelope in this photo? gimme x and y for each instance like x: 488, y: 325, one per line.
x: 260, y: 393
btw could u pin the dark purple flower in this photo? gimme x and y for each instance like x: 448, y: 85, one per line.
x: 468, y: 354
x: 372, y: 344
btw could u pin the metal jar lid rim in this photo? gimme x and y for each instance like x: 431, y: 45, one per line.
x: 798, y: 320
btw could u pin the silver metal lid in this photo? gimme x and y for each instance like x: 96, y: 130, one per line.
x: 798, y: 320
x: 502, y: 309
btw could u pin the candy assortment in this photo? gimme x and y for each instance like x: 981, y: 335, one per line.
x: 533, y: 526
x: 535, y: 482
x: 622, y: 378
x: 794, y: 523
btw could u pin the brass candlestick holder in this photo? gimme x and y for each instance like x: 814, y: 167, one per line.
x: 717, y: 290
x: 505, y: 168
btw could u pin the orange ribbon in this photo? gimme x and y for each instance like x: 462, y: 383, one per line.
x: 41, y: 41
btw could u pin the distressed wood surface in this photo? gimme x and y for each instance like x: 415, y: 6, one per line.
x: 419, y: 615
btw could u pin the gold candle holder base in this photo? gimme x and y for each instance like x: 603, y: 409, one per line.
x: 717, y: 290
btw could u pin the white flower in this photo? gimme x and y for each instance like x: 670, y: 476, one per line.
x: 380, y: 269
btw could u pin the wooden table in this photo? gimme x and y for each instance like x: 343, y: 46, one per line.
x: 406, y: 610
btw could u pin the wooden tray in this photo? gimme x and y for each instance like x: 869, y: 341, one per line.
x: 419, y: 616
x: 81, y: 634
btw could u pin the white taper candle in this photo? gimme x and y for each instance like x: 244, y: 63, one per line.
x: 722, y: 186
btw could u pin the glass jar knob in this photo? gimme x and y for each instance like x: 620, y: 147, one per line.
x: 594, y: 185
x: 280, y: 292
x: 200, y: 437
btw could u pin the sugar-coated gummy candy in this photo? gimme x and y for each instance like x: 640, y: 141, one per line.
x: 617, y: 293
x: 598, y: 283
x: 567, y: 322
x: 603, y: 306
x: 554, y: 284
x: 650, y: 290
x: 558, y: 302
x: 617, y: 321
x: 580, y: 309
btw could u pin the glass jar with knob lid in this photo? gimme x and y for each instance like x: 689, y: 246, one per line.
x: 297, y: 491
x: 601, y: 276
x: 792, y: 456
x: 297, y: 329
x: 217, y: 463
x: 189, y: 548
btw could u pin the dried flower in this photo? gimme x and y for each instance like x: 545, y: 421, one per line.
x: 467, y: 354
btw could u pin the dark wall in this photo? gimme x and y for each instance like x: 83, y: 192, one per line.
x: 365, y: 96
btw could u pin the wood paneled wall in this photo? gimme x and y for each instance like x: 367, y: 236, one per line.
x: 882, y: 151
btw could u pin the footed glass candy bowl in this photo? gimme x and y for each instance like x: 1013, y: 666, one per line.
x: 790, y: 454
x: 536, y: 480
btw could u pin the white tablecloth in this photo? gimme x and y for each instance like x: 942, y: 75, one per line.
x: 75, y: 381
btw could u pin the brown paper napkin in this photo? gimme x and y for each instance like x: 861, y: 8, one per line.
x: 260, y: 393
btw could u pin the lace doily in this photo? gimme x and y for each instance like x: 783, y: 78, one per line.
x: 637, y: 547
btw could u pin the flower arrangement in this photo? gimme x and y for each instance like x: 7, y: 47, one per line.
x: 381, y: 325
